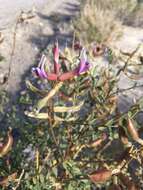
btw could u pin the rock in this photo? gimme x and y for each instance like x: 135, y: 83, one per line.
x: 3, y: 78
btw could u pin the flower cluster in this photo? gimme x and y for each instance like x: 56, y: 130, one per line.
x: 41, y: 72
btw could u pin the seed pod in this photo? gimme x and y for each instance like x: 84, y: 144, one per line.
x: 35, y: 89
x: 45, y: 116
x: 132, y: 130
x: 5, y: 180
x: 98, y: 141
x: 129, y: 184
x: 8, y: 145
x: 100, y: 176
x: 43, y: 102
x: 70, y: 109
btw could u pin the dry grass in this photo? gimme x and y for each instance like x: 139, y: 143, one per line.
x: 102, y: 20
x: 136, y: 17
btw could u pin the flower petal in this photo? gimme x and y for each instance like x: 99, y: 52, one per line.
x: 43, y: 68
x: 83, y: 65
x: 38, y: 72
x: 42, y: 60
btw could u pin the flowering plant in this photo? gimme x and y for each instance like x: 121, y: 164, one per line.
x: 40, y: 71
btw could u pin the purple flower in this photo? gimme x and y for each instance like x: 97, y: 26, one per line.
x: 56, y: 76
x: 40, y: 70
x: 83, y: 65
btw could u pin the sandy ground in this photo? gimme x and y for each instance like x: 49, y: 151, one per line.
x: 130, y: 40
x: 10, y: 9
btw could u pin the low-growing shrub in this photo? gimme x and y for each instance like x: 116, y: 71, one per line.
x: 74, y: 136
x: 102, y: 21
x: 82, y: 141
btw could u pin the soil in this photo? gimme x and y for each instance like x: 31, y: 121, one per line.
x: 9, y: 10
x: 130, y: 40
